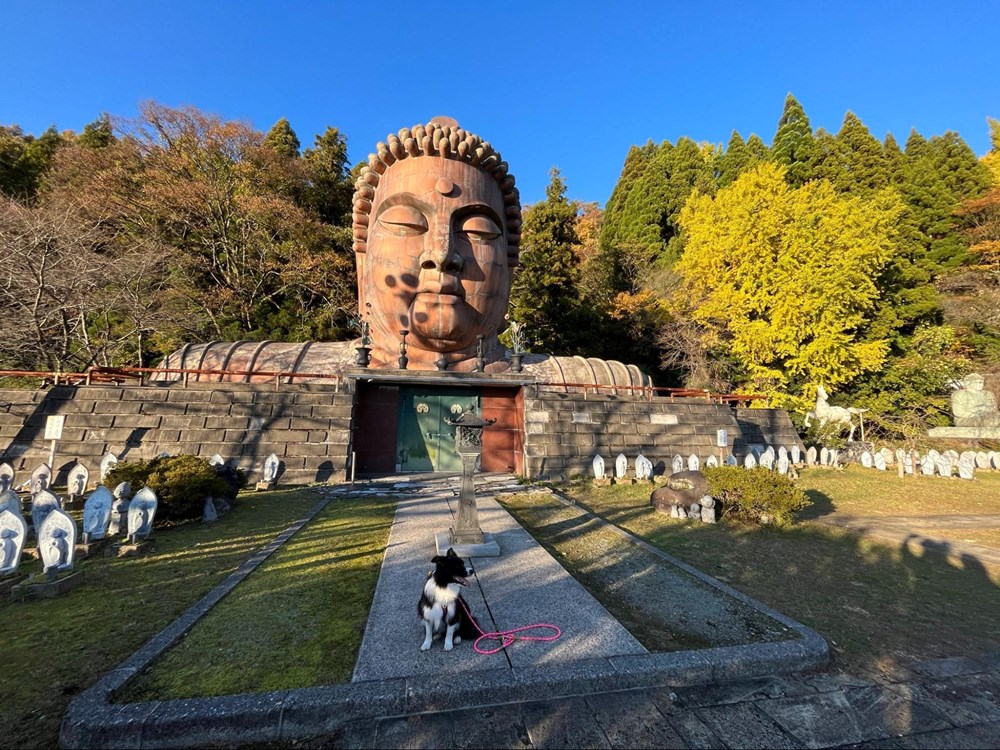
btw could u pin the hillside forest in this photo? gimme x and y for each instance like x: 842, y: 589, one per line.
x: 869, y: 266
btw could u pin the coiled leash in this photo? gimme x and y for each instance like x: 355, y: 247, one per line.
x: 507, y: 637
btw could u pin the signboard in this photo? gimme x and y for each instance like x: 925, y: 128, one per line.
x: 721, y: 438
x: 54, y: 427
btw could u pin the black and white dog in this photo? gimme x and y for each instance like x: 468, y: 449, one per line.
x: 441, y: 608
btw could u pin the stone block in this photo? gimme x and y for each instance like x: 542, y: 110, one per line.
x: 226, y: 423
x: 342, y: 411
x: 182, y: 395
x: 37, y: 587
x: 231, y: 396
x: 309, y: 449
x: 137, y: 393
x: 136, y: 421
x: 316, y: 436
x: 247, y: 410
x: 314, y: 399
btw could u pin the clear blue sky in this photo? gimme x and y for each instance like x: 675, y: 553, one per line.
x: 567, y: 84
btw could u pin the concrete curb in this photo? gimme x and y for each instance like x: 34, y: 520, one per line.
x: 92, y: 720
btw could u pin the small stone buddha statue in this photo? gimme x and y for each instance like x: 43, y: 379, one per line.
x: 972, y: 405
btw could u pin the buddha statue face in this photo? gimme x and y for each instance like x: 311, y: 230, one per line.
x: 437, y: 258
x: 435, y: 235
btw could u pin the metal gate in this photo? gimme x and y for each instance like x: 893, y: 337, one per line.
x: 425, y: 441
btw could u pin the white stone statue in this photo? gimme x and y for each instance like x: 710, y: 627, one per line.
x: 711, y: 462
x: 796, y: 454
x: 879, y: 462
x: 42, y: 505
x: 643, y: 468
x: 97, y: 514
x: 677, y: 464
x: 783, y: 464
x: 141, y: 512
x: 217, y: 460
x: 598, y: 468
x: 750, y: 462
x: 621, y: 466
x: 694, y: 463
x: 866, y: 459
x: 982, y: 460
x: 6, y: 477
x: 76, y: 481
x: 109, y: 462
x: 13, y: 533
x: 731, y: 460
x: 837, y: 415
x: 811, y: 456
x: 10, y: 501
x: 57, y: 541
x: 41, y: 478
x: 272, y: 464
x: 974, y: 406
x: 967, y: 466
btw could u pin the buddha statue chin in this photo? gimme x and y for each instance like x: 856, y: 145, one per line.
x: 436, y: 225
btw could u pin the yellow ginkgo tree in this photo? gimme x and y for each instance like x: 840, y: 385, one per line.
x: 783, y: 280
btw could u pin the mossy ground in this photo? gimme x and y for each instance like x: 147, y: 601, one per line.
x: 876, y: 603
x: 54, y: 648
x: 295, y: 622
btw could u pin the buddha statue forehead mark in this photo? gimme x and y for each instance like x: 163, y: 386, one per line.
x: 442, y: 138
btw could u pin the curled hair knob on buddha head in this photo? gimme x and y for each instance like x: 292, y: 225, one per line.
x: 443, y: 138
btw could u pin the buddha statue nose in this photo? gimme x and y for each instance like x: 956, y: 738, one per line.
x: 441, y: 255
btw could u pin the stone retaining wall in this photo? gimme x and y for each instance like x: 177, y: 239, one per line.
x: 563, y: 431
x: 307, y: 425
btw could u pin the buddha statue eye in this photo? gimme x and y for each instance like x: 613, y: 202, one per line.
x: 403, y: 221
x: 479, y: 227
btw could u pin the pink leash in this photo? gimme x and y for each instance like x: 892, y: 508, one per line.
x: 507, y: 637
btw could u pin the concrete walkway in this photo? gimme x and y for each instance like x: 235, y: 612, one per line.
x: 943, y: 703
x: 523, y: 586
x: 918, y: 531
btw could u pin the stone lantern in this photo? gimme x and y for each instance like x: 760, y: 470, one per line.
x: 466, y: 537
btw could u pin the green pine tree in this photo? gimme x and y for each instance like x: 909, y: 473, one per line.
x: 544, y: 296
x: 282, y: 139
x: 733, y: 160
x: 330, y: 184
x: 793, y: 143
x: 97, y: 134
x: 863, y: 162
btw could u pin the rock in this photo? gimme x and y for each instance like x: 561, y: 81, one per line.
x: 683, y: 489
x: 209, y: 514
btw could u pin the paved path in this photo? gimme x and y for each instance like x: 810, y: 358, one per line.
x: 943, y: 703
x: 918, y: 531
x: 523, y: 586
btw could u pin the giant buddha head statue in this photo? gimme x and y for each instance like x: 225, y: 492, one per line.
x: 437, y: 224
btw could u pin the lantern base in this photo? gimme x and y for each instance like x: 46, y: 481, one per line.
x: 489, y: 547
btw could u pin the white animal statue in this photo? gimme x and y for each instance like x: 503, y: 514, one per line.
x: 827, y: 414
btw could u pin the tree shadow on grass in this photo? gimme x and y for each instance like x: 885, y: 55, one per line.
x: 821, y: 505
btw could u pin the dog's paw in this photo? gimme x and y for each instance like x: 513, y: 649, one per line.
x: 458, y: 639
x: 425, y: 646
x: 447, y: 646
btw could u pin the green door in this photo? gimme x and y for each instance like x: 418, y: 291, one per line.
x: 426, y: 442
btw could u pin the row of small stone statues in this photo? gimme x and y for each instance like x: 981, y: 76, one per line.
x: 781, y: 460
x: 943, y: 464
x: 55, y: 530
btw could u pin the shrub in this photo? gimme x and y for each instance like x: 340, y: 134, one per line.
x: 755, y: 495
x: 181, y: 484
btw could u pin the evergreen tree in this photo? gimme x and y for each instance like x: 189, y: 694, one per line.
x: 826, y: 162
x: 793, y: 143
x: 895, y: 161
x: 757, y: 150
x: 97, y: 134
x: 544, y: 295
x: 733, y: 160
x: 650, y: 233
x: 863, y: 163
x: 608, y: 264
x: 330, y: 184
x: 282, y: 139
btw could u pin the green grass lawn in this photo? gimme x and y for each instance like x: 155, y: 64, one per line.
x: 866, y: 492
x: 53, y: 649
x: 875, y: 603
x: 296, y: 621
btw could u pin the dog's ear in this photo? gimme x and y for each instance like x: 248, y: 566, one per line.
x: 436, y: 559
x: 451, y: 552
